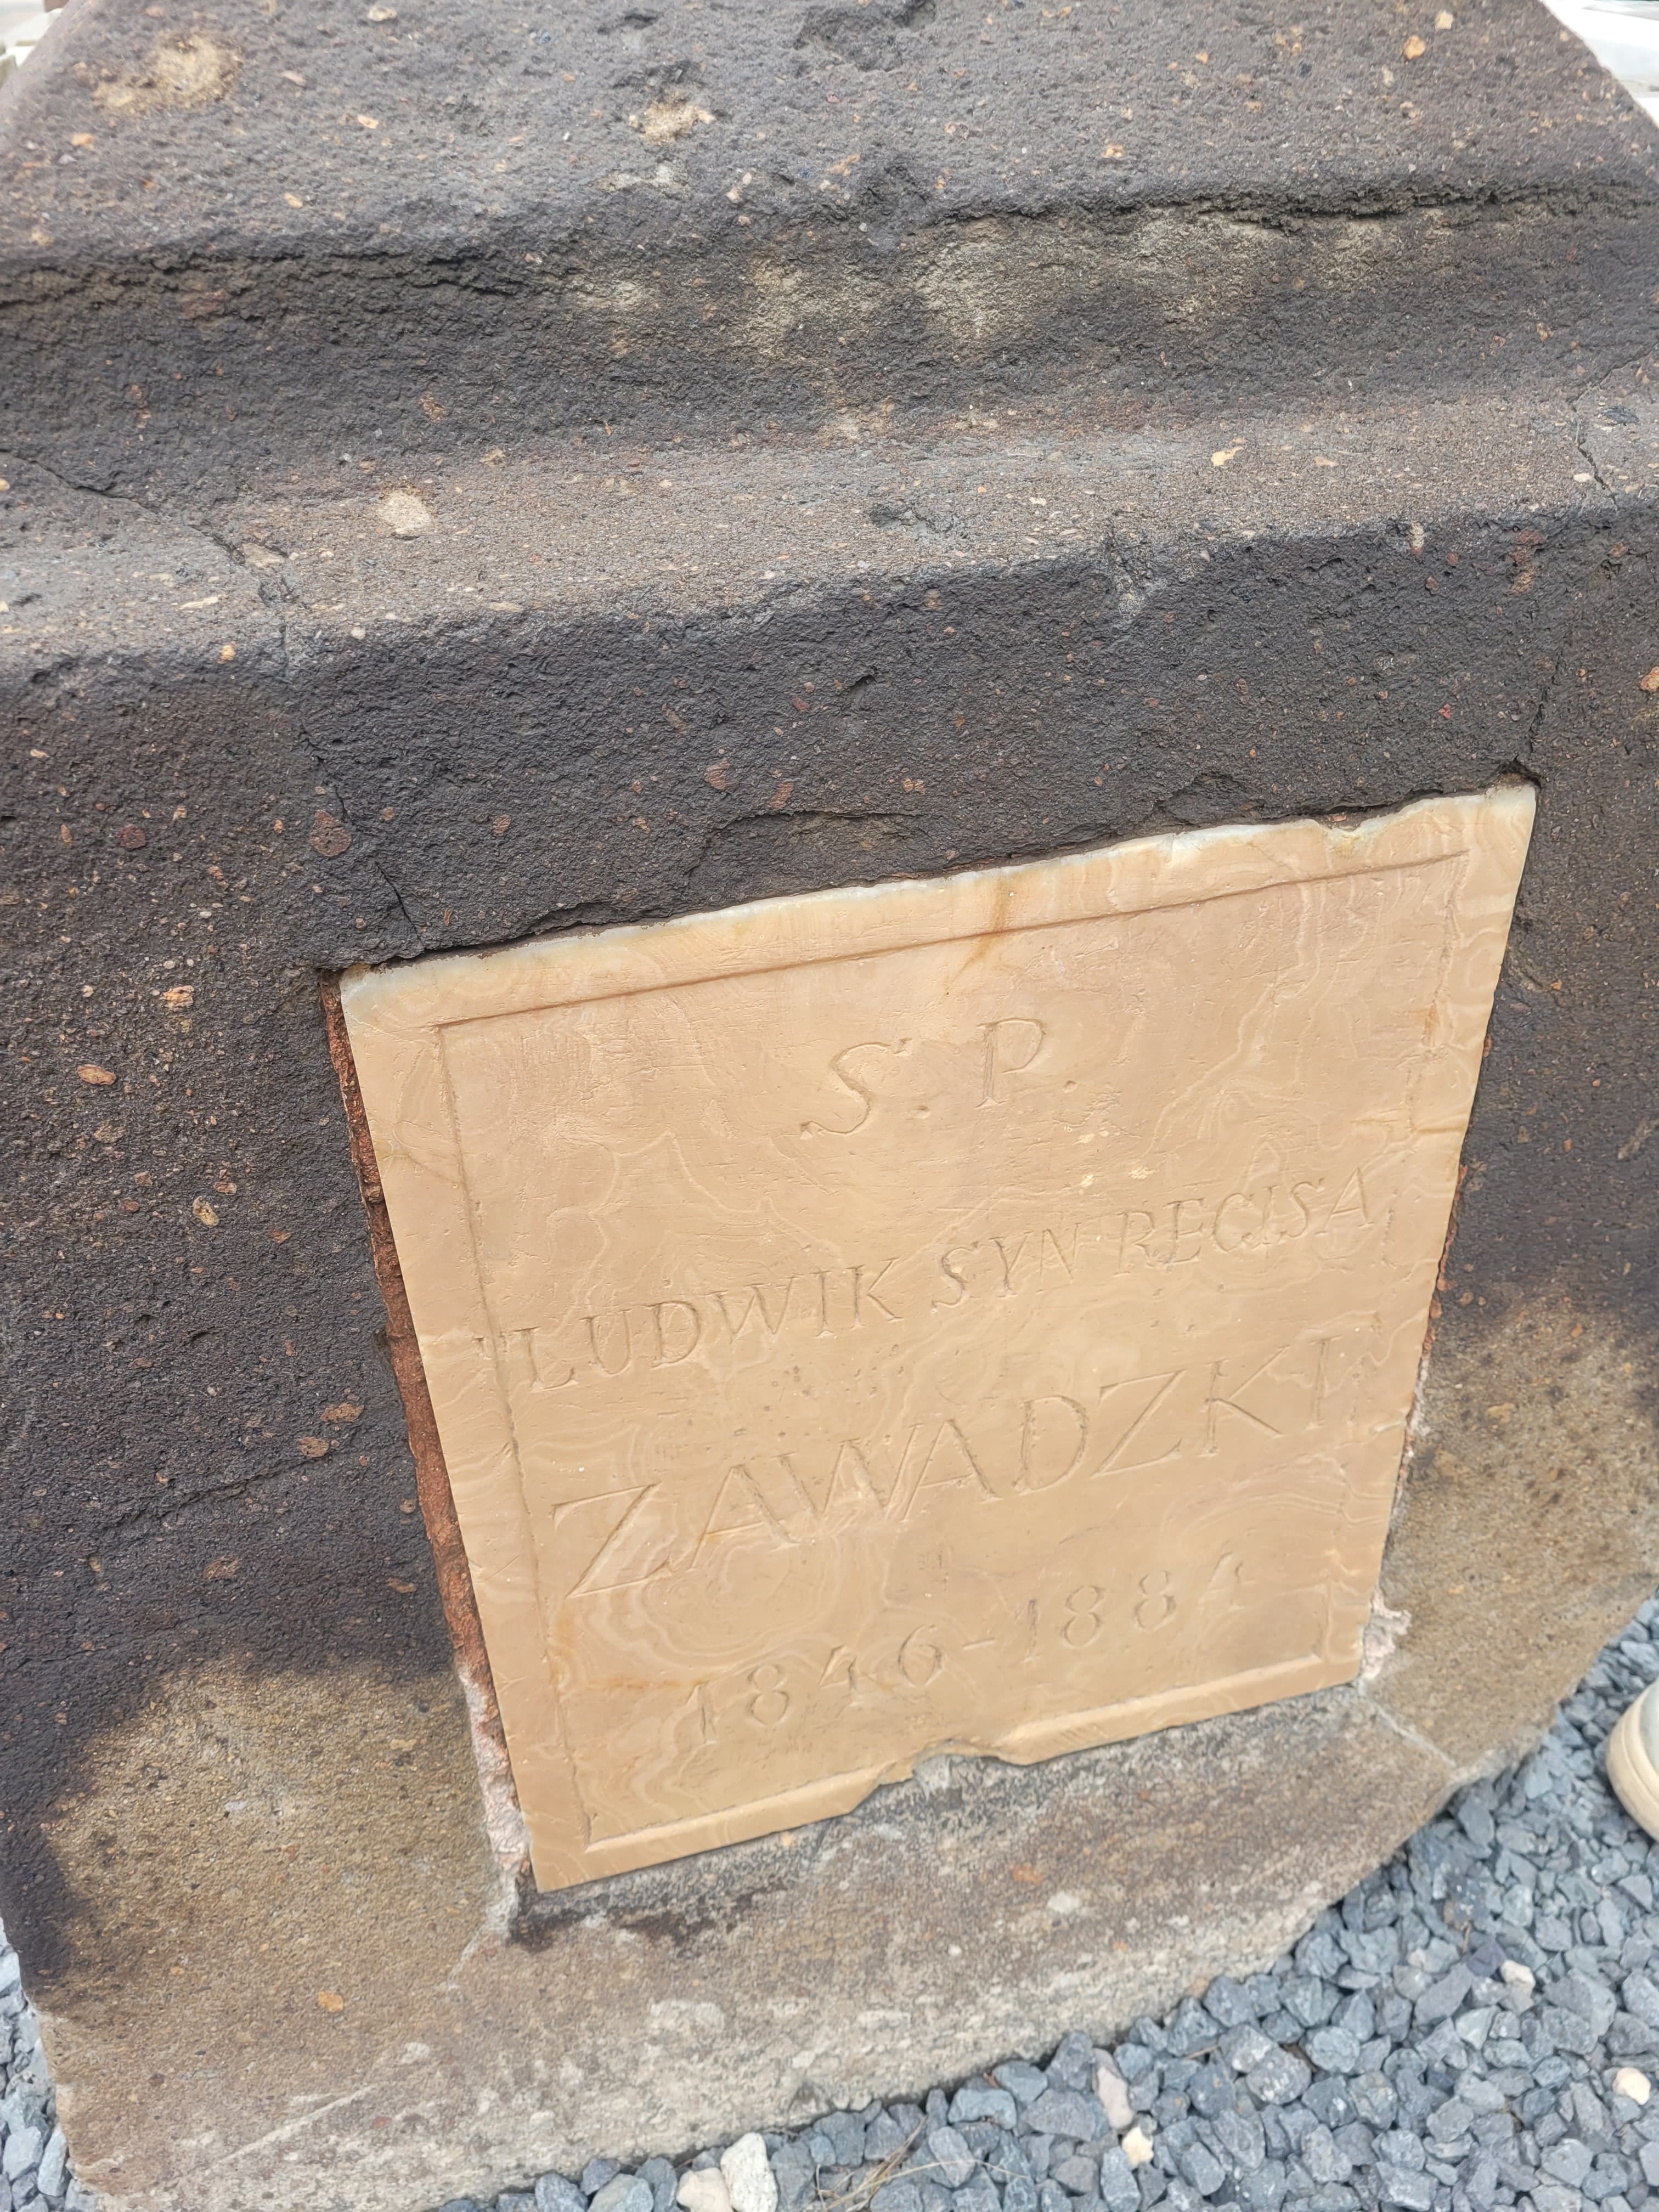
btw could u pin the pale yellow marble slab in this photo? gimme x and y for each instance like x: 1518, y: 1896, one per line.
x: 978, y: 1315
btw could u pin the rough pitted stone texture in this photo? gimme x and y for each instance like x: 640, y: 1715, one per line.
x: 441, y: 232
x: 527, y: 545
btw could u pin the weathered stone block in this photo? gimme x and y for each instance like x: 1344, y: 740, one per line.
x: 875, y: 444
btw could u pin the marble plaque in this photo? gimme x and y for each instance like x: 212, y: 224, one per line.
x: 972, y: 1315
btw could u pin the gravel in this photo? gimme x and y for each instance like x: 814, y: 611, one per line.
x: 35, y: 2172
x: 1475, y: 2025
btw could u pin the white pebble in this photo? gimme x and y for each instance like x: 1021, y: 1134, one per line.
x: 1137, y: 2147
x: 1630, y: 2082
x: 704, y: 2190
x: 1113, y: 2092
x: 1518, y: 1977
x: 406, y: 513
x: 749, y: 2176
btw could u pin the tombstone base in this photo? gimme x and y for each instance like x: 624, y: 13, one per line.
x: 298, y: 1842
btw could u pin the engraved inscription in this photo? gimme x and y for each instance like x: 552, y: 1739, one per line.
x: 978, y: 1315
x: 619, y: 1340
x: 992, y: 1054
x: 794, y: 1687
x: 623, y: 1537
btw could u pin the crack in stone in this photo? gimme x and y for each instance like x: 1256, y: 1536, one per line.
x: 149, y: 1519
x: 369, y: 855
x: 15, y: 456
x: 1581, y: 429
x: 1427, y: 1744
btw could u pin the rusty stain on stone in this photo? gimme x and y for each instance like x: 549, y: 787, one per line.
x: 328, y: 835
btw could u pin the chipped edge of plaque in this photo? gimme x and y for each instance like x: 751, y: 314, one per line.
x: 395, y: 1016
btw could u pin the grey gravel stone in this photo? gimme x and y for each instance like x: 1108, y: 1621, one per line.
x: 21, y: 2155
x: 1074, y: 2113
x: 659, y: 2177
x: 51, y: 2178
x: 1025, y: 2084
x: 1335, y: 2048
x: 792, y: 2171
x: 1443, y: 1998
x: 846, y: 2133
x: 1323, y: 2157
x: 555, y: 2194
x: 1587, y: 1993
x: 1119, y: 2189
x: 1310, y: 1999
x: 980, y: 2104
x: 951, y: 2156
x: 1245, y: 2047
x: 896, y: 2197
x: 1072, y: 2066
x: 1569, y: 2029
x: 1568, y: 2160
x: 1202, y: 2168
x: 1212, y: 2089
x: 1242, y: 2139
x: 623, y: 2192
x: 1229, y: 2003
x: 1281, y: 2075
x: 1555, y: 2197
x: 979, y: 2195
x: 1373, y: 2099
x: 1399, y: 2184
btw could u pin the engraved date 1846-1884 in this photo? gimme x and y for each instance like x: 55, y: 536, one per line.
x: 807, y: 1688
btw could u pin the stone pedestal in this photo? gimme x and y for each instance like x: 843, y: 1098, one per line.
x: 477, y: 482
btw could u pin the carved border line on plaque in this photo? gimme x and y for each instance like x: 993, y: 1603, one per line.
x: 977, y: 1313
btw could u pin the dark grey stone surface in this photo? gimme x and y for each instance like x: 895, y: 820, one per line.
x: 888, y: 204
x: 1302, y: 458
